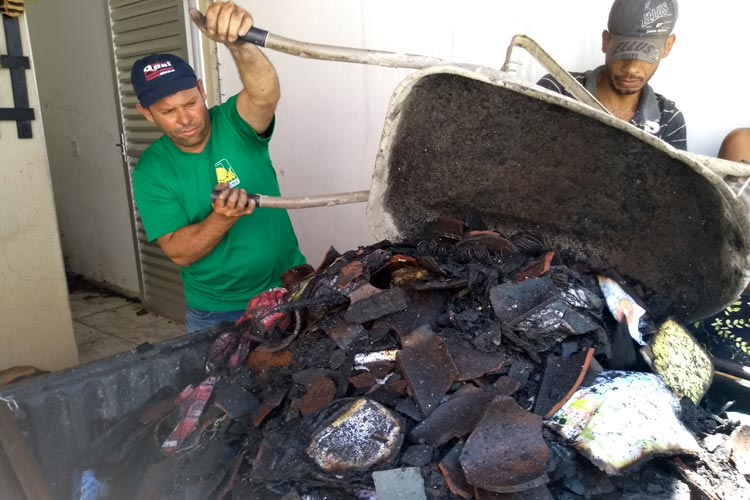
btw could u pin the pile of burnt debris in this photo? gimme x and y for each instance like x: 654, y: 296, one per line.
x: 464, y: 365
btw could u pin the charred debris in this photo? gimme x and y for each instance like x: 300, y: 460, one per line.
x: 468, y: 364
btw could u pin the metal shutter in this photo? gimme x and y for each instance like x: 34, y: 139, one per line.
x: 139, y: 28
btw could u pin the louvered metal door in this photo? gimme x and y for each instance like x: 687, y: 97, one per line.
x: 139, y: 28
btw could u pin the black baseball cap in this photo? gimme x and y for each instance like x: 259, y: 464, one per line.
x: 640, y: 28
x: 157, y: 76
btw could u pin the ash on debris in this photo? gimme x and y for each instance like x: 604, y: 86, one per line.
x: 440, y: 359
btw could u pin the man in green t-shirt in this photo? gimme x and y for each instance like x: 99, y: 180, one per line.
x: 228, y: 251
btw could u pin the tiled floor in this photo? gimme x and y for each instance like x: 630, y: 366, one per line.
x: 105, y: 325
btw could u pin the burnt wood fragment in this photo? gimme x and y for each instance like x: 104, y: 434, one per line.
x: 280, y: 458
x: 345, y: 334
x: 590, y: 482
x: 389, y: 394
x: 453, y: 473
x: 157, y: 480
x: 538, y: 493
x: 559, y: 376
x: 424, y: 309
x: 211, y: 456
x: 377, y: 306
x: 363, y: 380
x: 329, y: 258
x: 507, y: 385
x: 235, y: 401
x: 417, y: 455
x: 429, y: 370
x: 364, y: 291
x: 264, y: 361
x: 470, y: 361
x: 269, y: 402
x: 407, y: 408
x: 506, y: 452
x: 455, y: 418
x: 539, y: 268
x: 319, y: 392
x: 512, y: 300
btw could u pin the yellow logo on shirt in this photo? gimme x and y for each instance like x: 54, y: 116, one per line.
x: 225, y: 174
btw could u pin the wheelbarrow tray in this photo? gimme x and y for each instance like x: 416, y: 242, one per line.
x: 477, y: 143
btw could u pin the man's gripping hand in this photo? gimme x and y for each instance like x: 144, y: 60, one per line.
x: 224, y: 23
x: 232, y: 203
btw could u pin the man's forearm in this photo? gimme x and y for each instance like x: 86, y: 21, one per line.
x: 191, y: 243
x: 226, y: 22
x: 259, y: 78
x: 260, y: 94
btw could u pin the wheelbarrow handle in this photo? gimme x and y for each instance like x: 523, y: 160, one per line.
x: 553, y: 67
x: 324, y: 200
x: 263, y: 38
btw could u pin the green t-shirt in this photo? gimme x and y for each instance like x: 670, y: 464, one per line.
x: 172, y: 189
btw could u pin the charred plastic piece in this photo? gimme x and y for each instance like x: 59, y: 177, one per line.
x: 357, y: 437
x: 681, y: 362
x: 617, y: 428
x: 512, y: 300
x: 235, y: 401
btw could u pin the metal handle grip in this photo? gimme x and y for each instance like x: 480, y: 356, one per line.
x: 256, y: 36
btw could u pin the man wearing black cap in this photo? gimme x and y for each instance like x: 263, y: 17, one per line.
x: 228, y: 251
x: 639, y: 35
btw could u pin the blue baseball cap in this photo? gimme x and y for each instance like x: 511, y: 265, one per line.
x: 157, y: 76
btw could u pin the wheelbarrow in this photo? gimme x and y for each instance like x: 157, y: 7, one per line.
x: 520, y: 157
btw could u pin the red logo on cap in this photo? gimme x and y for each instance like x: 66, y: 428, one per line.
x: 156, y: 70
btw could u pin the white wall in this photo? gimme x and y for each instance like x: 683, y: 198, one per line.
x: 707, y: 73
x: 331, y: 115
x: 35, y: 324
x: 74, y: 69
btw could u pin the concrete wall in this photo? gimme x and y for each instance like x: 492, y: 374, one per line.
x: 331, y: 115
x: 74, y: 70
x: 35, y: 323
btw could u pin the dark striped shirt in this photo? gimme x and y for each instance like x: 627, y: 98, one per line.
x: 656, y: 114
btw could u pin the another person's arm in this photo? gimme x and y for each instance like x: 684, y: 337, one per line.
x: 549, y: 83
x: 736, y: 146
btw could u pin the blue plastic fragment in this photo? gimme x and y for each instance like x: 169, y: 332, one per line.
x: 89, y: 488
